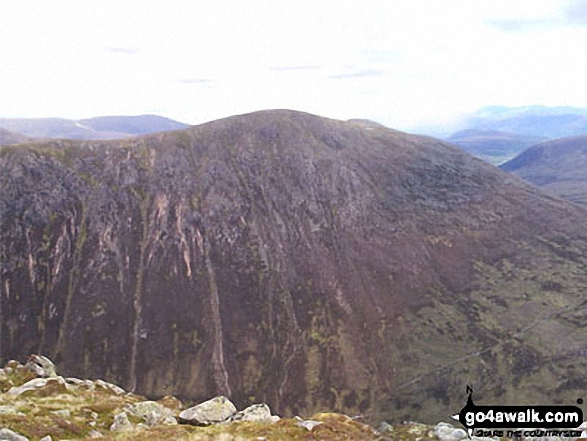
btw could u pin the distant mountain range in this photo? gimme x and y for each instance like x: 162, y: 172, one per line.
x: 558, y: 166
x: 493, y: 146
x: 294, y: 260
x: 105, y: 127
x: 497, y: 134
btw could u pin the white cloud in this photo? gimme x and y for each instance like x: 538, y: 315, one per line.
x: 401, y: 63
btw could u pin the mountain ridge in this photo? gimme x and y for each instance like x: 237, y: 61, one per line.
x: 105, y: 127
x: 308, y: 262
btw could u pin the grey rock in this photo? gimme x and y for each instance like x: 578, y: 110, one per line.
x: 256, y: 412
x: 94, y: 434
x: 108, y: 387
x: 9, y: 410
x: 46, y: 385
x: 308, y: 424
x: 41, y: 366
x: 384, y: 426
x: 9, y: 435
x: 447, y: 432
x: 213, y: 411
x: 121, y: 423
x: 152, y: 413
x: 46, y: 438
x: 63, y: 413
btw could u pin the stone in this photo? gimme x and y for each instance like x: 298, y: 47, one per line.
x: 41, y: 366
x: 41, y: 387
x: 213, y: 411
x: 308, y: 424
x: 9, y: 435
x: 46, y: 438
x: 9, y: 410
x: 108, y: 387
x: 256, y: 412
x: 152, y: 413
x: 447, y: 432
x: 63, y: 413
x: 121, y: 423
x: 384, y: 426
x: 94, y: 434
x: 80, y: 384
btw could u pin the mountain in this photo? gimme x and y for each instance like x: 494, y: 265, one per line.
x: 8, y: 138
x: 133, y: 125
x: 534, y: 121
x: 284, y: 258
x: 558, y: 166
x: 492, y: 146
x: 106, y: 127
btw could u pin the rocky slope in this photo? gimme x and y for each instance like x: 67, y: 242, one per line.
x: 37, y: 404
x: 558, y: 166
x: 284, y: 258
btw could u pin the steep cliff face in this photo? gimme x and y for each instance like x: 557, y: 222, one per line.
x: 285, y: 258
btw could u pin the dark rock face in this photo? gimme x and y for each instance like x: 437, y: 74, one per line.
x: 284, y: 258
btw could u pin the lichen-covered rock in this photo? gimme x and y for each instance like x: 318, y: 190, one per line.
x: 9, y: 410
x: 213, y: 411
x: 46, y: 438
x: 384, y: 426
x: 152, y: 413
x: 121, y: 423
x: 172, y: 403
x: 447, y: 432
x: 9, y: 435
x: 256, y: 412
x: 80, y: 384
x: 307, y: 424
x: 41, y: 366
x: 41, y: 387
x: 108, y: 387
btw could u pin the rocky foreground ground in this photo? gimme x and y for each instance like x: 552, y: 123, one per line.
x: 38, y: 404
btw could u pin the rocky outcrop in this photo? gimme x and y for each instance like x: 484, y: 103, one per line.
x: 287, y: 259
x: 216, y: 410
x: 9, y: 435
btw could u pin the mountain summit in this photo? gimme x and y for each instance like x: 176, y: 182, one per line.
x: 295, y: 260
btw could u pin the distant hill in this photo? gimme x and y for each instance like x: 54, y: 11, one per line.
x: 493, y: 146
x: 559, y: 166
x: 105, y: 127
x: 299, y: 261
x: 8, y: 138
x: 134, y: 125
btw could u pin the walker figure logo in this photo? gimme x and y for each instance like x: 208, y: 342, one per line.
x: 493, y: 417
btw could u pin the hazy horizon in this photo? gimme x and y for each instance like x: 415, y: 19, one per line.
x: 405, y: 65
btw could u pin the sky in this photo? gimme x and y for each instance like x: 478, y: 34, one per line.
x: 403, y: 63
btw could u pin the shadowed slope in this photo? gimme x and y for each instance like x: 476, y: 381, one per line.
x: 558, y: 166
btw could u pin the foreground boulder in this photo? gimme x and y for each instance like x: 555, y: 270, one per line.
x: 41, y: 387
x: 216, y: 410
x: 9, y: 435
